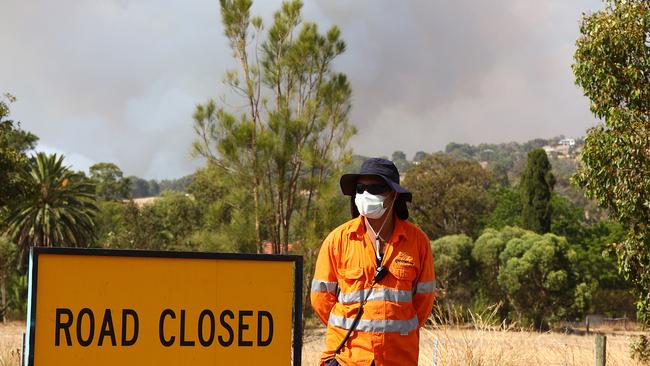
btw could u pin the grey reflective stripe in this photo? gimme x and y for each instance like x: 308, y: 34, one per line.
x: 324, y: 286
x: 426, y: 287
x: 386, y: 294
x: 401, y: 326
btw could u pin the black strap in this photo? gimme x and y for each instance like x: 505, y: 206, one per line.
x: 355, y: 322
x: 379, y: 274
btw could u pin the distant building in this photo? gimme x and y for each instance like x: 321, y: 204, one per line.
x: 567, y: 142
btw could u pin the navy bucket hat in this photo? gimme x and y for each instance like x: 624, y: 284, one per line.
x: 382, y: 168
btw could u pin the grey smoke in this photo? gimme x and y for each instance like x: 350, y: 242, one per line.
x: 118, y: 80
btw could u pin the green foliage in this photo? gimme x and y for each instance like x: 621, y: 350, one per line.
x: 17, y: 295
x: 329, y: 212
x: 7, y: 265
x: 461, y: 151
x: 419, y: 156
x: 542, y: 278
x: 536, y: 275
x: 14, y: 143
x: 399, y: 159
x: 568, y: 219
x: 109, y: 182
x: 612, y: 58
x: 139, y: 188
x: 291, y: 140
x: 59, y: 209
x: 536, y: 187
x: 168, y: 223
x: 500, y: 172
x: 179, y: 185
x: 597, y: 266
x: 177, y: 217
x: 486, y: 253
x: 507, y: 208
x: 453, y: 259
x: 449, y: 195
x: 226, y: 211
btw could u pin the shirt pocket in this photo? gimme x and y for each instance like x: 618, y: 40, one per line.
x: 402, y: 272
x: 351, y: 264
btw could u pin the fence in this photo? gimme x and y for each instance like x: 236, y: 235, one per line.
x: 599, y: 323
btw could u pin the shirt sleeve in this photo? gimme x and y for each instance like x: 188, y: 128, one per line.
x: 425, y: 289
x: 324, y: 287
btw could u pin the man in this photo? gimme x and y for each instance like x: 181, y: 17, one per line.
x: 374, y: 284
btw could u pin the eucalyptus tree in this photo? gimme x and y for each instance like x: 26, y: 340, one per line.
x: 612, y: 65
x: 450, y: 195
x: 58, y: 210
x: 286, y: 137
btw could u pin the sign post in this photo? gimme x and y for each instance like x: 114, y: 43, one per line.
x: 131, y: 307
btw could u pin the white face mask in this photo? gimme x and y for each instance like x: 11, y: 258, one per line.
x: 370, y: 205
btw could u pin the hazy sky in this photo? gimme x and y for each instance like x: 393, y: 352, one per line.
x: 117, y: 80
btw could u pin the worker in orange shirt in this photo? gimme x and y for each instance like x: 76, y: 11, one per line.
x: 374, y: 283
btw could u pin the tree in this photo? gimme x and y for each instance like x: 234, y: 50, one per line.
x: 453, y: 254
x: 14, y: 143
x: 179, y: 185
x: 291, y: 138
x: 536, y: 273
x: 139, y: 187
x: 110, y: 183
x: 461, y: 151
x: 449, y: 195
x: 507, y: 208
x: 500, y: 172
x: 610, y: 293
x: 58, y: 211
x: 154, y: 188
x: 486, y: 252
x: 419, y: 156
x: 399, y: 159
x: 568, y: 219
x: 612, y: 61
x: 536, y: 187
x: 7, y: 259
x: 169, y: 223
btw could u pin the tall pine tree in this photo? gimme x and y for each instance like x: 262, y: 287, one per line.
x: 536, y: 188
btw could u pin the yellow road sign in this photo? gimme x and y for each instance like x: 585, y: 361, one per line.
x: 121, y: 307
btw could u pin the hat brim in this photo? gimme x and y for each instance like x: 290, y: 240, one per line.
x: 348, y: 184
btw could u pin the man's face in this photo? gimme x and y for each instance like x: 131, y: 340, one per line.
x: 370, y: 179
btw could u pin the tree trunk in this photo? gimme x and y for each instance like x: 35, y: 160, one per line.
x: 3, y: 291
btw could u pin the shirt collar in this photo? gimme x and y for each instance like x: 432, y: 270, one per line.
x: 358, y: 229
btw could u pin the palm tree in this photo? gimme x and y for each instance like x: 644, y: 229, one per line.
x: 59, y: 209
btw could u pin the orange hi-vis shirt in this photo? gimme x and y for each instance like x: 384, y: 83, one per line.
x: 398, y: 305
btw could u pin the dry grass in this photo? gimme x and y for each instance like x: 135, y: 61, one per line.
x: 486, y: 342
x: 499, y: 347
x: 11, y: 343
x: 480, y: 345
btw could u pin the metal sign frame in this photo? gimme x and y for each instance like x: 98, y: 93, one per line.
x: 30, y: 336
